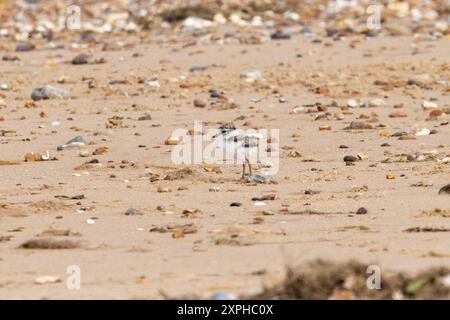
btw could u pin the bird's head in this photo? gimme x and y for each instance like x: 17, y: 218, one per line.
x: 225, y: 129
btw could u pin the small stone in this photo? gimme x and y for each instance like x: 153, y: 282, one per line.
x: 377, y: 102
x: 82, y: 58
x: 84, y: 154
x: 23, y: 47
x: 215, y: 94
x: 100, y: 151
x: 325, y: 128
x: 427, y: 105
x: 343, y: 146
x: 145, y: 117
x: 350, y: 159
x: 445, y: 190
x: 235, y: 204
x: 398, y: 115
x: 352, y: 103
x: 10, y: 57
x: 171, y: 141
x: 421, y: 80
x: 133, y: 212
x: 198, y: 103
x: 49, y: 92
x: 280, y: 35
x: 361, y: 210
x: 252, y: 75
x: 198, y: 68
x: 163, y: 189
x: 359, y: 124
x: 47, y: 279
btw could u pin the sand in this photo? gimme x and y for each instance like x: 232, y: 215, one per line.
x: 230, y: 249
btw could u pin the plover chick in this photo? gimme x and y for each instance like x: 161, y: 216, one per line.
x: 242, y: 147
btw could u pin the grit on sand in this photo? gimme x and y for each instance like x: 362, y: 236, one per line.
x: 183, y: 239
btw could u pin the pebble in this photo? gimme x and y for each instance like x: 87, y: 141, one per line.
x: 376, y: 103
x: 361, y: 210
x: 427, y: 105
x: 350, y: 159
x: 352, y: 103
x: 23, y: 47
x: 215, y: 94
x: 10, y: 57
x: 280, y: 35
x: 198, y: 103
x: 235, y: 204
x: 421, y: 80
x: 359, y: 124
x: 133, y: 212
x: 445, y: 190
x: 198, y: 68
x: 252, y: 75
x: 49, y: 92
x: 145, y: 117
x: 153, y: 84
x: 82, y: 58
x: 84, y: 154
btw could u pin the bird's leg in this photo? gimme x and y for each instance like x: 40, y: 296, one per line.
x: 249, y: 167
x: 243, y: 171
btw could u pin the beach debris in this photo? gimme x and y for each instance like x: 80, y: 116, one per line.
x: 171, y: 141
x: 427, y: 229
x: 49, y: 92
x: 49, y: 243
x: 252, y: 75
x: 76, y: 142
x: 37, y: 156
x: 133, y: 212
x: 47, y: 279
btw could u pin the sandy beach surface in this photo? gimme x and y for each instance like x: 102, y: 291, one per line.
x: 142, y: 229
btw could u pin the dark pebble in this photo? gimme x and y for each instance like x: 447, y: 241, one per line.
x: 197, y: 68
x: 215, y: 94
x: 343, y: 146
x: 145, y: 117
x: 22, y: 47
x: 82, y: 58
x: 279, y: 35
x: 361, y: 210
x: 445, y: 189
x: 350, y: 159
x: 385, y: 144
x: 133, y: 212
x: 235, y: 204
